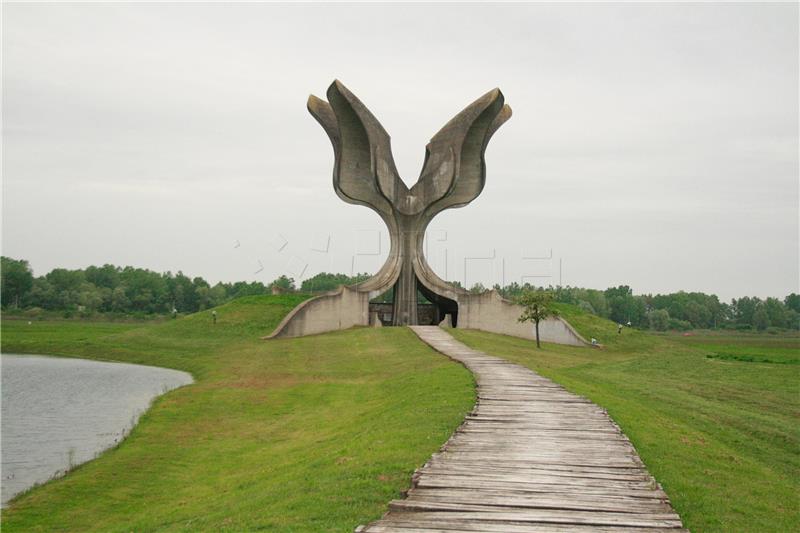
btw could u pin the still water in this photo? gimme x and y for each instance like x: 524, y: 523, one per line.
x: 59, y: 412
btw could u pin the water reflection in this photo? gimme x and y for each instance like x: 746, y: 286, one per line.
x: 59, y: 412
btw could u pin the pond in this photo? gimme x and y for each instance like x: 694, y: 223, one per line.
x: 60, y: 412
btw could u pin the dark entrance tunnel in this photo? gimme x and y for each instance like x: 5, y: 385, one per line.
x: 431, y: 308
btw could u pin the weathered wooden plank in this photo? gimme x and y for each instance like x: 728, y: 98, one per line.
x: 564, y: 458
x: 532, y: 457
x: 435, y: 525
x: 544, y: 516
x: 490, y: 471
x: 436, y: 462
x: 580, y: 502
x: 534, y: 478
x: 542, y: 488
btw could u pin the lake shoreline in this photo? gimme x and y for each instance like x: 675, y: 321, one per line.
x: 60, y: 412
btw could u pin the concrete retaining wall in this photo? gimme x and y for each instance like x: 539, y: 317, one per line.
x: 339, y: 309
x: 490, y: 312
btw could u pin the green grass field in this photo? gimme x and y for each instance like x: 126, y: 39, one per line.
x: 746, y: 347
x: 319, y: 433
x: 311, y: 434
x: 721, y: 435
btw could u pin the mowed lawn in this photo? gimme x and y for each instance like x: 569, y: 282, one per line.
x: 311, y: 434
x: 720, y: 433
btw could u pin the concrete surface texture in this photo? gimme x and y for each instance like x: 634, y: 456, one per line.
x: 340, y: 309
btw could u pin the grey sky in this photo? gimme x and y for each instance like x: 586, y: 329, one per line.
x: 651, y: 144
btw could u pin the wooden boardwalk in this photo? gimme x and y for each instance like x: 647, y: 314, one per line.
x: 531, y: 457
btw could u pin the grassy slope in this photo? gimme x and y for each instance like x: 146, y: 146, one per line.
x: 311, y: 434
x: 722, y: 437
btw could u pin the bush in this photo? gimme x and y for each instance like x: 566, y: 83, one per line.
x: 680, y: 325
x: 34, y: 312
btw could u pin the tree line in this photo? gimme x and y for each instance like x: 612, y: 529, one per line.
x: 138, y: 291
x: 676, y: 311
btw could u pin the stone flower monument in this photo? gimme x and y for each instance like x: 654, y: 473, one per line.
x: 453, y: 174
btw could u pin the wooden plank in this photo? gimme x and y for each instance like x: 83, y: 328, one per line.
x: 535, y: 479
x: 438, y: 482
x: 443, y: 525
x: 492, y: 471
x: 575, y: 501
x: 544, y: 516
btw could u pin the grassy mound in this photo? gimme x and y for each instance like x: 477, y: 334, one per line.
x: 721, y: 436
x: 310, y: 434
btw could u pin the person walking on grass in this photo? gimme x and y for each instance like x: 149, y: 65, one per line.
x: 619, y: 329
x: 214, y: 316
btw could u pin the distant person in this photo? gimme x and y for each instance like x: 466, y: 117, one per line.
x: 214, y: 316
x: 594, y: 341
x: 619, y: 329
x: 174, y: 313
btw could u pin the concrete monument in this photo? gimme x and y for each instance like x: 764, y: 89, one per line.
x: 364, y: 173
x: 453, y: 174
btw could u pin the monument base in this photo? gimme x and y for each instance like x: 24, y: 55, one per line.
x: 347, y: 307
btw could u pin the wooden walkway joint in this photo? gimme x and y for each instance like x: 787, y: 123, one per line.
x: 531, y: 457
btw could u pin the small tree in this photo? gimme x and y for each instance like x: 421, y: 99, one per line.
x: 538, y: 306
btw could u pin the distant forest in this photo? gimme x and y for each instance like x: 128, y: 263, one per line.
x: 110, y: 289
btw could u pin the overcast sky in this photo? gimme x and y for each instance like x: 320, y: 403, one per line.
x: 654, y: 145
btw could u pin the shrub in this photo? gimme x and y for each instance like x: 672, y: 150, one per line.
x: 680, y: 325
x: 34, y: 312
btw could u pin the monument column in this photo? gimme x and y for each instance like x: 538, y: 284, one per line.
x: 404, y: 306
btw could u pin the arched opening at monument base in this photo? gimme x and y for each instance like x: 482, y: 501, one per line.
x: 443, y: 306
x: 432, y: 308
